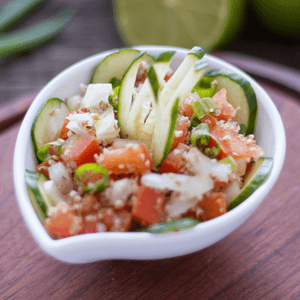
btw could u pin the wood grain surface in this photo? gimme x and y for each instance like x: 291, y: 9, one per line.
x: 259, y: 260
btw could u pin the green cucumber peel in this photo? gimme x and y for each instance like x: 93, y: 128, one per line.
x: 258, y: 174
x: 201, y: 64
x: 39, y: 130
x: 164, y: 56
x: 32, y: 178
x: 228, y: 80
x: 153, y: 82
x: 114, y: 66
x: 35, y: 182
x: 197, y: 51
x: 171, y: 226
x: 174, y: 114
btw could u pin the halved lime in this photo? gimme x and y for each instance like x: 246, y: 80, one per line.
x: 182, y: 23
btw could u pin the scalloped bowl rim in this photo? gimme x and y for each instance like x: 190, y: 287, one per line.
x: 141, y: 245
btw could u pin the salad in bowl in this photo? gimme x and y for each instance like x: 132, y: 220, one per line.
x: 146, y: 144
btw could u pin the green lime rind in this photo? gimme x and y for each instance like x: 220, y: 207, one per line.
x: 84, y: 171
x: 39, y: 133
x: 164, y: 56
x: 240, y: 94
x: 171, y: 226
x: 256, y: 177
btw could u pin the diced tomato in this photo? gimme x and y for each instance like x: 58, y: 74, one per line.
x: 134, y: 159
x: 64, y: 131
x: 209, y: 120
x: 81, y: 148
x: 174, y: 160
x: 63, y: 222
x: 146, y: 209
x: 227, y: 111
x: 233, y: 144
x: 186, y: 107
x: 213, y: 205
x: 180, y: 132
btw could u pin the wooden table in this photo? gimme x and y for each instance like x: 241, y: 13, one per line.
x: 260, y: 260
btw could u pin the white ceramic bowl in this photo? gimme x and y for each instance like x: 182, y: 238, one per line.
x: 132, y: 245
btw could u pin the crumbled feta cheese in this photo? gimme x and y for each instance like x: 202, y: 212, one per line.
x: 97, y: 93
x: 107, y: 127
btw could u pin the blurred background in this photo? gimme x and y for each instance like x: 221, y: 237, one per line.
x: 266, y: 29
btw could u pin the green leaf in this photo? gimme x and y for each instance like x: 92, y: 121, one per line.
x: 35, y: 35
x: 14, y: 10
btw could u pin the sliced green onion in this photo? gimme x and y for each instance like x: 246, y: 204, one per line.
x: 203, y: 106
x: 229, y: 160
x: 34, y: 36
x: 194, y: 122
x: 171, y: 226
x: 202, y: 139
x: 13, y: 11
x: 43, y: 153
x: 92, y: 177
x: 115, y: 105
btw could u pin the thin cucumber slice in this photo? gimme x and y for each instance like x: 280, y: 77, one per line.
x: 256, y: 177
x: 141, y: 110
x: 115, y: 65
x: 125, y: 94
x: 47, y: 126
x: 187, y: 83
x: 240, y: 94
x: 192, y: 57
x: 42, y: 216
x: 35, y: 182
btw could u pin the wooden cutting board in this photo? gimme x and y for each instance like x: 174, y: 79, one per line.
x: 259, y: 260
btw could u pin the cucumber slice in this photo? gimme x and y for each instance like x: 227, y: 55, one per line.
x: 166, y: 106
x: 42, y: 216
x: 239, y: 93
x: 140, y: 110
x: 185, y: 67
x: 35, y: 182
x: 48, y: 123
x: 126, y: 92
x: 115, y: 65
x: 256, y: 177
